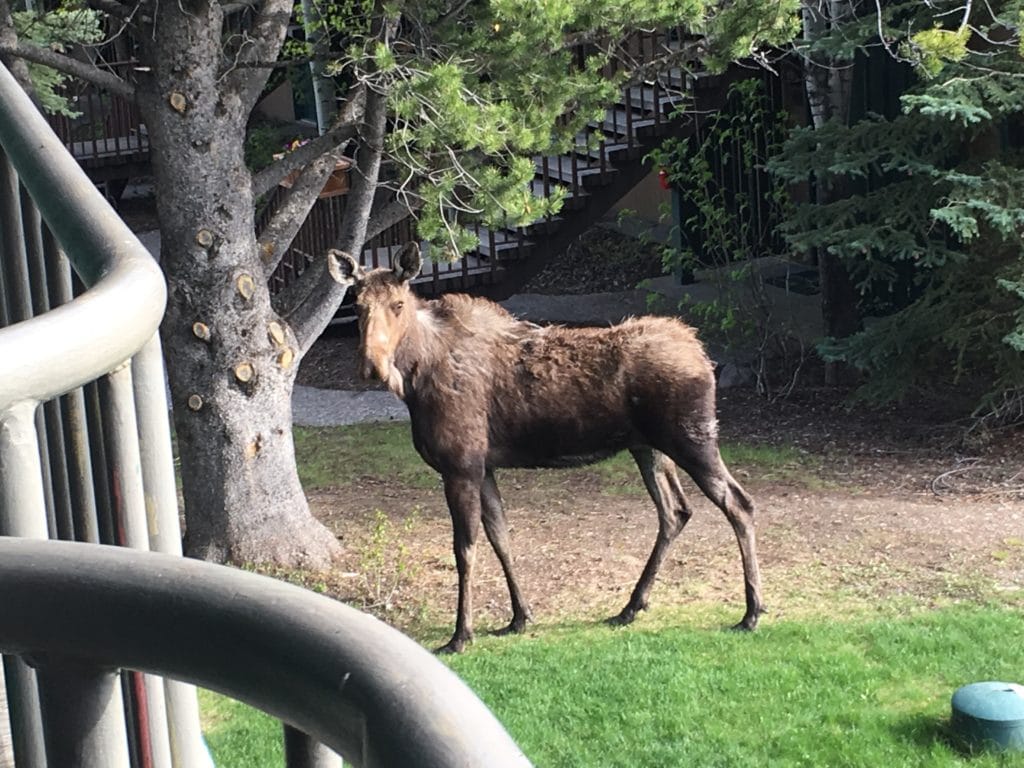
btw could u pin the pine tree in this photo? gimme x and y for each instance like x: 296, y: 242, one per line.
x: 930, y: 227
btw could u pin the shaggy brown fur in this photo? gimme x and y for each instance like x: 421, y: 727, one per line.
x: 485, y: 390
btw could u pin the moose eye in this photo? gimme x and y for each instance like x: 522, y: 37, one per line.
x: 397, y: 307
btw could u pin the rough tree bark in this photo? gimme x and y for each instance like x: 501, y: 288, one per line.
x: 232, y: 354
x: 232, y: 360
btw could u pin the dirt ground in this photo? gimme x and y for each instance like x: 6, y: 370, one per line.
x: 871, y: 505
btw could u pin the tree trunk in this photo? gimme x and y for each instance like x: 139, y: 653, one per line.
x: 324, y: 92
x: 839, y: 296
x: 828, y: 84
x: 232, y: 360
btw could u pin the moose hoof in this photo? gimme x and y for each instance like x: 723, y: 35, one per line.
x: 624, y: 618
x: 516, y: 627
x: 455, y: 645
x: 748, y: 624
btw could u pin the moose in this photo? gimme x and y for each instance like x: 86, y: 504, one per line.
x: 487, y: 390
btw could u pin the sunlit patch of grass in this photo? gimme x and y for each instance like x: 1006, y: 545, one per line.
x: 858, y: 692
x: 338, y: 456
x: 238, y: 735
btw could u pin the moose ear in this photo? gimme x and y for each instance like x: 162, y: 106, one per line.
x: 343, y: 268
x: 408, y: 262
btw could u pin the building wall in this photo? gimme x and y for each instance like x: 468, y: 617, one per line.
x: 279, y: 104
x: 644, y: 200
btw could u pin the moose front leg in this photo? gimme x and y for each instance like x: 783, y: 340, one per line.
x: 463, y: 496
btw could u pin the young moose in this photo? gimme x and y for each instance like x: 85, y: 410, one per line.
x: 485, y: 390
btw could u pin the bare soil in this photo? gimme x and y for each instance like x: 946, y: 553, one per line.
x: 877, y: 504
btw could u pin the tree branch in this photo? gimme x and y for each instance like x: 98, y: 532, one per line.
x: 682, y: 58
x: 69, y: 66
x: 230, y: 8
x: 279, y: 232
x: 265, y: 180
x: 343, y: 130
x: 9, y: 38
x: 316, y: 308
x: 391, y: 213
x: 113, y: 8
x: 262, y: 42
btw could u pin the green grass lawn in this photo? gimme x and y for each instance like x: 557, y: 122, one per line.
x: 831, y: 686
x: 867, y: 690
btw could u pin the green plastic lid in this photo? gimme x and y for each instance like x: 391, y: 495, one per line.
x: 990, y: 715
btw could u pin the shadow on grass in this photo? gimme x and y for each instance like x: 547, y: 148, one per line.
x: 926, y: 731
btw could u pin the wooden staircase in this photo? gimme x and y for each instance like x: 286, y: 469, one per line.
x: 609, y: 159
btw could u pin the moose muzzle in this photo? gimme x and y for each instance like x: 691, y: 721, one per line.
x: 377, y: 354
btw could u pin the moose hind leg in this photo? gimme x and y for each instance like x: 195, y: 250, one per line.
x: 463, y: 496
x: 496, y: 528
x: 704, y: 464
x: 662, y: 481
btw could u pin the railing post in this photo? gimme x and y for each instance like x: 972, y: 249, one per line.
x: 83, y: 712
x: 302, y: 751
x: 22, y: 513
x: 186, y: 741
x: 132, y: 530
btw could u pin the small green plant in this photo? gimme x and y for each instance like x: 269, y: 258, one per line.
x: 262, y: 141
x: 385, y: 564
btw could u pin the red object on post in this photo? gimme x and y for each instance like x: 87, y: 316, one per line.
x: 663, y: 179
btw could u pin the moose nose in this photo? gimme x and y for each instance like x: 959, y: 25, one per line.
x: 375, y: 369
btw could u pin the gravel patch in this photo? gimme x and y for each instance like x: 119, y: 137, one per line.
x: 312, y: 407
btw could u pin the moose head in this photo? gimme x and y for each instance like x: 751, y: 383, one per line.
x: 385, y: 305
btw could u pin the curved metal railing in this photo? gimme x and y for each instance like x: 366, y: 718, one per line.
x: 95, y: 466
x: 92, y: 462
x: 364, y: 689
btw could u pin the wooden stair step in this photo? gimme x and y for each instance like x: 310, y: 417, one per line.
x: 508, y: 244
x: 612, y: 145
x: 618, y: 122
x: 611, y: 149
x: 587, y: 171
x: 643, y: 98
x: 573, y: 200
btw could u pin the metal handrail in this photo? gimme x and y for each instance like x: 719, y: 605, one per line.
x: 80, y: 612
x: 48, y: 352
x: 361, y: 687
x: 88, y: 337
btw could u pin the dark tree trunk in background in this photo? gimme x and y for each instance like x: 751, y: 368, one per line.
x: 828, y: 83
